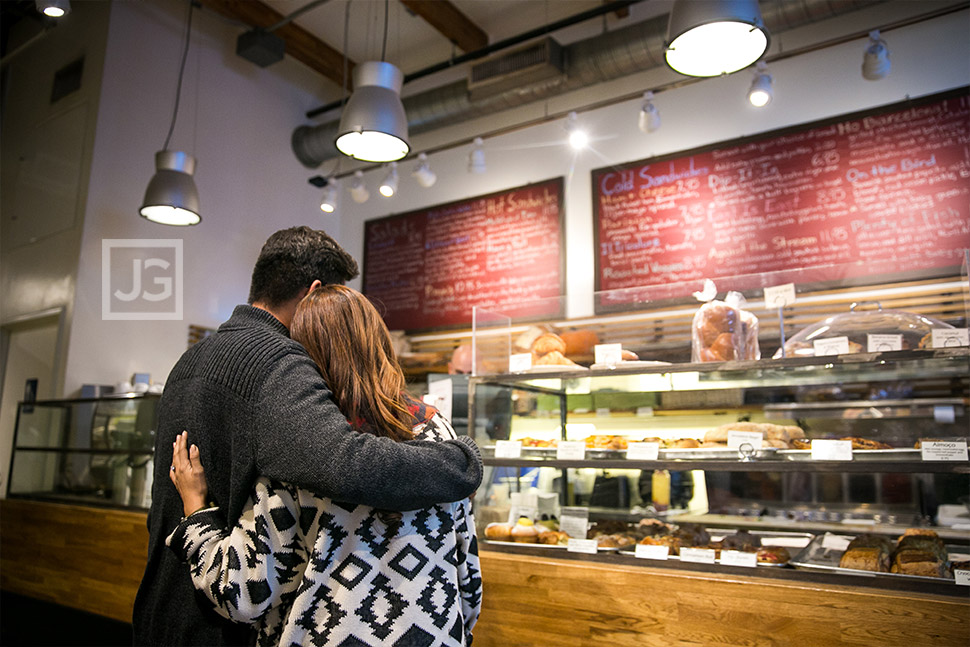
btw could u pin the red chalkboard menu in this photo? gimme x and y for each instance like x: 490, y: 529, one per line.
x: 888, y: 186
x: 504, y: 251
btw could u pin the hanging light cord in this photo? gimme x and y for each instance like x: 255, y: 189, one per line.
x: 384, y: 44
x: 178, y: 89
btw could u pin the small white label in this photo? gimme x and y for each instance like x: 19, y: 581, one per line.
x: 880, y: 343
x: 571, y: 450
x: 643, y: 451
x: 950, y: 337
x: 835, y: 542
x: 737, y: 438
x: 602, y: 412
x: 608, y: 354
x: 644, y: 551
x: 574, y: 521
x: 508, y: 448
x: 961, y: 577
x: 944, y: 413
x: 739, y: 558
x: 698, y: 555
x: 938, y: 450
x: 581, y: 546
x: 831, y: 450
x: 644, y: 412
x: 519, y: 362
x: 831, y: 346
x: 779, y: 296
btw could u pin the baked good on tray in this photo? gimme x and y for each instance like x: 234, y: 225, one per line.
x: 867, y: 553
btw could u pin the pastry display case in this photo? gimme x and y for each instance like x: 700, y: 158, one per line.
x: 834, y: 468
x: 88, y: 451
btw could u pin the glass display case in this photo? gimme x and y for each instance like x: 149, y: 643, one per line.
x: 91, y: 450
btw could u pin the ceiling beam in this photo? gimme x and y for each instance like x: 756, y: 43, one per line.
x: 300, y: 44
x: 450, y: 22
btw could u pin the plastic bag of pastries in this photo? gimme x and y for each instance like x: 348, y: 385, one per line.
x: 716, y: 334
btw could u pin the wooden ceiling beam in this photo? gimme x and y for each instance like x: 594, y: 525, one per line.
x: 300, y: 44
x: 450, y: 22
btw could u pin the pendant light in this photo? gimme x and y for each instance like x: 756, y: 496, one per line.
x: 875, y: 62
x: 714, y: 37
x: 53, y: 8
x: 172, y: 197
x: 760, y: 93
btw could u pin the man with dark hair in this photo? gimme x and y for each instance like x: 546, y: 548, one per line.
x: 256, y: 405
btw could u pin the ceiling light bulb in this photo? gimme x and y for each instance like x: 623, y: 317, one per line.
x: 423, y: 174
x: 760, y: 93
x: 358, y: 190
x: 389, y: 185
x: 875, y: 62
x: 373, y: 126
x: 578, y: 138
x: 476, y: 159
x: 54, y: 8
x: 172, y: 197
x: 714, y: 37
x: 649, y: 115
x: 329, y: 202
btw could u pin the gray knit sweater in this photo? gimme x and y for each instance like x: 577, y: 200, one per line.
x: 253, y: 401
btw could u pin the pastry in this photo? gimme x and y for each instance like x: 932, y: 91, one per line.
x: 628, y: 356
x: 773, y: 555
x: 579, y: 343
x: 741, y: 540
x: 865, y: 559
x: 672, y: 543
x: 553, y: 538
x: 554, y: 358
x: 801, y: 443
x: 716, y: 334
x: 498, y: 532
x: 865, y: 443
x: 524, y: 531
x: 547, y: 343
x: 684, y: 443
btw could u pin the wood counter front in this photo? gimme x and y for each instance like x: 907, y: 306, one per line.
x: 93, y: 558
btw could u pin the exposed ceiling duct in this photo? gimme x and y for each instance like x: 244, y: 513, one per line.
x: 614, y: 54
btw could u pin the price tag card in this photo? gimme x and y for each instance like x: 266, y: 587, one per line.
x: 831, y: 450
x: 944, y: 450
x: 642, y: 451
x: 644, y: 412
x: 574, y: 521
x: 571, y: 450
x: 698, y: 555
x: 831, y: 346
x: 961, y: 577
x: 651, y: 552
x: 519, y: 362
x: 508, y: 448
x: 581, y: 546
x: 881, y: 343
x: 950, y: 337
x: 602, y: 412
x: 737, y: 438
x: 609, y: 354
x: 779, y: 296
x: 944, y: 413
x: 739, y: 558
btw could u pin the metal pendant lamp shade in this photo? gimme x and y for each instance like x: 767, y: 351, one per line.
x: 373, y: 126
x: 171, y: 197
x: 714, y: 37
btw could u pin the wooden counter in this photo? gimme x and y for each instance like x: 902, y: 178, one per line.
x: 92, y: 559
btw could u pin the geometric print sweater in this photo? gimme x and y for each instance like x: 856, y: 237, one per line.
x: 307, y: 570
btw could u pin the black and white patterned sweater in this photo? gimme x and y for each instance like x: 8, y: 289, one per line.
x: 308, y: 570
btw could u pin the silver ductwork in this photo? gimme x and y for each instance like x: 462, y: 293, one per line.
x: 614, y: 54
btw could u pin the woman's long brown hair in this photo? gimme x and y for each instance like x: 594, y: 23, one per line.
x: 351, y: 345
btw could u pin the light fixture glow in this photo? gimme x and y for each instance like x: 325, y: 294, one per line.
x: 714, y: 37
x: 476, y: 158
x: 389, y: 185
x: 578, y: 138
x: 172, y: 197
x: 649, y: 120
x: 329, y: 202
x: 760, y: 93
x: 373, y: 126
x: 358, y: 190
x: 423, y: 174
x: 53, y: 8
x: 875, y: 62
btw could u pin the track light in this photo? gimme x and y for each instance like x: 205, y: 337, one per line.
x: 649, y: 115
x: 577, y: 136
x: 329, y: 202
x: 358, y: 191
x: 760, y: 93
x: 714, y: 37
x: 875, y: 62
x: 389, y: 185
x: 423, y: 174
x: 53, y: 8
x: 373, y: 126
x: 476, y: 159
